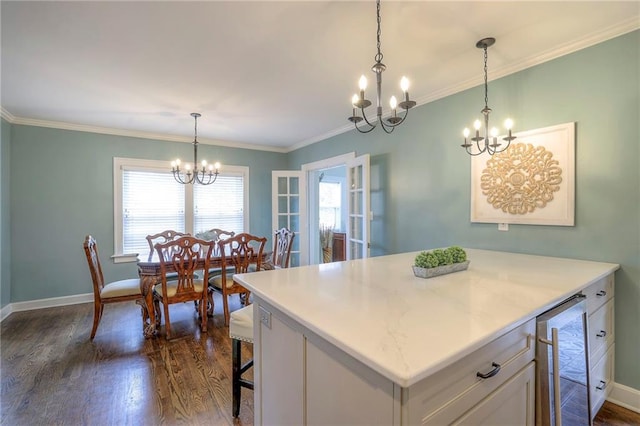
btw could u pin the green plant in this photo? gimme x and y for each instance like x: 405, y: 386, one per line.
x: 444, y: 257
x: 426, y: 259
x: 457, y: 254
x: 440, y: 257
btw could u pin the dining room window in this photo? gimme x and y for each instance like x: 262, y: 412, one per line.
x: 148, y: 200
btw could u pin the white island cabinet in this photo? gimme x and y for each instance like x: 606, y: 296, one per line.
x: 365, y: 342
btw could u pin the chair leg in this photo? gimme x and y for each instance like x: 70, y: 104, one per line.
x: 203, y: 315
x: 167, y: 323
x: 236, y: 362
x: 210, y: 306
x: 225, y: 305
x: 97, y: 315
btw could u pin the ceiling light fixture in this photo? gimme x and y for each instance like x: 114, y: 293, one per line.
x: 359, y: 102
x: 206, y: 175
x: 489, y: 143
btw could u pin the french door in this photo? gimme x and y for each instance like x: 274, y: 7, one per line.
x: 291, y: 207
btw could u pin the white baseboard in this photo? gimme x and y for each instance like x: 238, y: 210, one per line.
x: 5, y: 311
x: 44, y: 303
x: 625, y: 396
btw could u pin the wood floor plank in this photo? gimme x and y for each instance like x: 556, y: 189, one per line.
x: 51, y: 373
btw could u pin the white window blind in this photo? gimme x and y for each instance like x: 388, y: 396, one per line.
x: 220, y: 205
x: 152, y: 202
x: 147, y: 200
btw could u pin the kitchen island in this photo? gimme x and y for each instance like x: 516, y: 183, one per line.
x: 355, y: 342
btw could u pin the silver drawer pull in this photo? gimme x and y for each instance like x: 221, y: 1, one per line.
x: 602, y: 385
x: 601, y: 293
x: 493, y: 372
x: 602, y: 333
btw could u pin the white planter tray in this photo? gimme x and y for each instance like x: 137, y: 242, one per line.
x: 440, y: 270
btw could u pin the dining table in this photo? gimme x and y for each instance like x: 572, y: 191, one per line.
x: 150, y: 275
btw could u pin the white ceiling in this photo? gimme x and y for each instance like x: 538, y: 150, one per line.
x: 272, y: 75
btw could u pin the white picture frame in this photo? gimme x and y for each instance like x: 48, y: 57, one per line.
x: 532, y: 182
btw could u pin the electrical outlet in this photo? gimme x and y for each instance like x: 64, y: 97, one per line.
x: 265, y: 317
x: 503, y: 227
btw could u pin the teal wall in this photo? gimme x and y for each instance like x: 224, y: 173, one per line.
x: 5, y: 200
x: 61, y: 183
x: 421, y: 177
x: 62, y: 189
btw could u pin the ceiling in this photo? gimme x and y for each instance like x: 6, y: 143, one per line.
x: 266, y: 75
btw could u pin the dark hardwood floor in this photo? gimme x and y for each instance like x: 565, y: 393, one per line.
x: 52, y: 374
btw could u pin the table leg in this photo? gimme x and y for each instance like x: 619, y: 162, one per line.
x: 146, y: 286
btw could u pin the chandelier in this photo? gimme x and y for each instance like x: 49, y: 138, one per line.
x: 489, y: 143
x: 360, y: 102
x: 204, y: 176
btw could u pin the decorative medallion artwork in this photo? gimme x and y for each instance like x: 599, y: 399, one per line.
x: 532, y: 182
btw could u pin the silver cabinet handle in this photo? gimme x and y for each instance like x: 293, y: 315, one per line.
x: 602, y: 333
x: 601, y: 293
x: 493, y: 372
x: 602, y: 385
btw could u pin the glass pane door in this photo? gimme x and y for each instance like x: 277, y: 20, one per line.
x: 358, y: 226
x: 289, y: 210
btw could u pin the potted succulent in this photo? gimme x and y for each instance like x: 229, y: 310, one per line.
x: 436, y: 262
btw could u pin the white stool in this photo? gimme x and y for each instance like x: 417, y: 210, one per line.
x: 240, y: 329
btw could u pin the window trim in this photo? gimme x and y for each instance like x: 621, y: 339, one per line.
x: 122, y: 163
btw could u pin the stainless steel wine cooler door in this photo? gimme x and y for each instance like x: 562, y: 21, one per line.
x: 562, y: 357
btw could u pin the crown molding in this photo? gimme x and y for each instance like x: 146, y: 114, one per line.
x: 6, y: 115
x: 133, y: 133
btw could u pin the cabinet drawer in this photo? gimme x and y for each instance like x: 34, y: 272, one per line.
x: 601, y: 331
x: 446, y: 395
x: 601, y: 380
x: 599, y: 293
x: 512, y: 403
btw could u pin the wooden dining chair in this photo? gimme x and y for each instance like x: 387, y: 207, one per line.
x: 215, y: 235
x: 112, y: 292
x: 162, y: 237
x: 282, y: 243
x: 184, y: 256
x: 237, y: 253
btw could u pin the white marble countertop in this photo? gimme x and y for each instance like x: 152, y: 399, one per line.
x: 407, y: 328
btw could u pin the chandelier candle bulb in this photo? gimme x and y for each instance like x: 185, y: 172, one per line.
x: 404, y: 85
x: 393, y: 103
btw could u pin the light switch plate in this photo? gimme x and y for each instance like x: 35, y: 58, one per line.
x: 265, y: 317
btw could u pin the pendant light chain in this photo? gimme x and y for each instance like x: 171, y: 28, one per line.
x: 486, y: 87
x: 379, y: 56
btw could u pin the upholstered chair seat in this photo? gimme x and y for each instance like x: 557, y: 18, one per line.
x: 172, y: 287
x: 241, y: 324
x: 130, y: 287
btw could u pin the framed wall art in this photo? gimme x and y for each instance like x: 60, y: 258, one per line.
x: 532, y: 182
